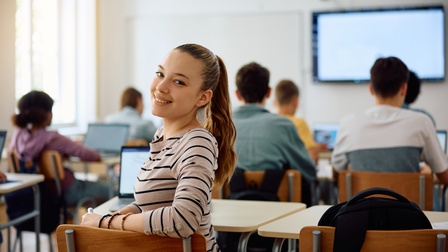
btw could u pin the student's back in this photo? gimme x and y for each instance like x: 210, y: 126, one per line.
x: 387, y: 137
x: 265, y: 140
x: 268, y: 141
x: 31, y: 137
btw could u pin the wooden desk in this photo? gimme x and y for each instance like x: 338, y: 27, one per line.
x: 104, y: 208
x: 22, y: 181
x: 247, y: 216
x: 238, y: 215
x: 289, y: 227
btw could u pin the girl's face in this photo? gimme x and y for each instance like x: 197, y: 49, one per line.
x: 176, y: 88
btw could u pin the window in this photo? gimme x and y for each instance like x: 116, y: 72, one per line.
x: 51, y: 38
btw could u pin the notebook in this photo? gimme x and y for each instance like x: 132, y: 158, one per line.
x: 442, y: 136
x: 105, y: 138
x: 131, y: 160
x: 326, y: 133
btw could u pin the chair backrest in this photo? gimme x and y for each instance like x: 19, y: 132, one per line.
x: 137, y: 142
x: 50, y: 165
x: 13, y: 162
x: 321, y: 238
x: 290, y: 188
x: 415, y: 187
x: 86, y: 239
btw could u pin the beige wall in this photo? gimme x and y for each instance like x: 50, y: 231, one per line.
x: 7, y: 62
x: 132, y: 41
x: 122, y: 23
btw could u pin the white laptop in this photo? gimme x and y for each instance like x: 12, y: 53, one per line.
x: 131, y: 161
x: 326, y: 133
x: 442, y: 136
x: 105, y: 138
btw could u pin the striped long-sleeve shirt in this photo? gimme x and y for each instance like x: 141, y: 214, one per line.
x: 174, y: 186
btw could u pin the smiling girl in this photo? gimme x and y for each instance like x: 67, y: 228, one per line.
x: 191, y: 153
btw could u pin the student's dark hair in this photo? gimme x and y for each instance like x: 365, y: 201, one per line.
x: 33, y: 110
x: 129, y: 97
x: 387, y: 75
x: 285, y: 91
x: 218, y: 111
x: 252, y: 81
x: 414, y: 84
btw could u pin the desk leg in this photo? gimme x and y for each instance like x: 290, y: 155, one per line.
x: 244, y: 240
x: 37, y: 217
x: 9, y: 238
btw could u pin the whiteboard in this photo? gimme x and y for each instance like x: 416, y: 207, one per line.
x: 272, y: 40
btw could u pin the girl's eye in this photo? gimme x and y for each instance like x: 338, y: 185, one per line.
x: 159, y: 74
x: 179, y: 82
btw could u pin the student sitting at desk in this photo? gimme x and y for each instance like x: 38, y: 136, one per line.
x: 287, y: 102
x: 131, y: 113
x: 414, y: 84
x: 266, y: 140
x: 31, y: 138
x: 190, y: 154
x: 387, y: 138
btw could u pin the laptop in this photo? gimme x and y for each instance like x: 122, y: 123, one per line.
x: 442, y: 136
x: 326, y: 133
x: 2, y: 140
x: 131, y: 160
x: 106, y: 138
x: 2, y: 145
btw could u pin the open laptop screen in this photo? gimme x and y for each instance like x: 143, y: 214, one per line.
x: 326, y: 133
x: 2, y: 140
x: 132, y: 159
x: 106, y: 138
x: 442, y: 136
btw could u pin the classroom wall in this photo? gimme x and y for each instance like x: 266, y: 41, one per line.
x: 134, y: 36
x: 7, y: 62
x: 277, y: 34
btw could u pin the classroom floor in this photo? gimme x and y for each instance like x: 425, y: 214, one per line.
x: 29, y: 240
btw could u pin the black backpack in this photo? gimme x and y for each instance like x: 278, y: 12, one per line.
x: 352, y: 218
x: 239, y: 190
x: 267, y: 191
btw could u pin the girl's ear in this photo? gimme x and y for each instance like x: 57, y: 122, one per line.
x: 205, y: 98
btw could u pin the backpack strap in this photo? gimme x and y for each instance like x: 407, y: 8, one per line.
x: 350, y: 232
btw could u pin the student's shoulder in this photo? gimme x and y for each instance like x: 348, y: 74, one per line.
x: 197, y: 134
x: 199, y: 137
x: 416, y: 117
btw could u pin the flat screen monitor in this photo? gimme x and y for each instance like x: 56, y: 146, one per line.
x: 346, y: 43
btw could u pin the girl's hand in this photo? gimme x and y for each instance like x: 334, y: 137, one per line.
x: 91, y: 219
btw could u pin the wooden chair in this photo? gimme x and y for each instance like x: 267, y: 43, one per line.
x: 13, y: 167
x: 13, y: 162
x: 414, y: 186
x: 136, y: 142
x: 51, y: 166
x: 320, y: 238
x: 290, y: 188
x: 71, y: 238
